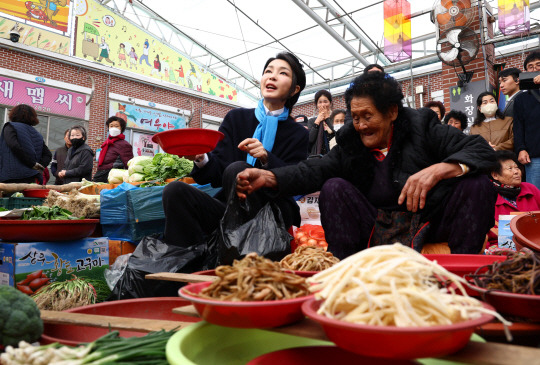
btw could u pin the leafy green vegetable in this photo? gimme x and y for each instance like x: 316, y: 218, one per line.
x: 19, y: 317
x: 2, y: 209
x: 165, y: 166
x: 47, y: 213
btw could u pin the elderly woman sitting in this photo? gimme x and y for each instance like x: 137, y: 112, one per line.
x: 513, y: 195
x: 397, y: 174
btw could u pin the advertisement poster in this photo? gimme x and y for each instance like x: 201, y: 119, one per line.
x: 52, y: 14
x: 37, y: 37
x: 143, y: 145
x: 42, y: 98
x: 145, y: 118
x: 105, y: 37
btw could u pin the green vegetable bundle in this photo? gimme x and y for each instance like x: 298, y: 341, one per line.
x: 19, y: 317
x: 161, y: 167
x: 47, y: 213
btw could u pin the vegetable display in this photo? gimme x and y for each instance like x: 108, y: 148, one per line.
x: 19, y: 317
x: 81, y: 205
x: 108, y: 349
x: 519, y: 273
x: 47, y: 213
x: 309, y: 258
x: 393, y: 285
x: 254, y: 278
x: 116, y: 176
x: 310, y: 235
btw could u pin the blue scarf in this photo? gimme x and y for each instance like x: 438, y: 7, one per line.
x: 266, y: 130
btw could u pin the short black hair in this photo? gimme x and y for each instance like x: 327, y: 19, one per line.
x: 533, y: 56
x: 383, y: 89
x: 320, y: 93
x: 23, y: 113
x: 122, y: 122
x: 372, y: 66
x: 336, y: 112
x: 298, y: 76
x: 457, y: 115
x: 480, y: 117
x: 512, y: 71
x: 79, y: 128
x: 437, y: 104
x: 502, y: 156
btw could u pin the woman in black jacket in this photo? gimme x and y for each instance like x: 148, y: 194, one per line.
x: 80, y: 157
x: 396, y: 175
x: 265, y: 137
x: 321, y: 130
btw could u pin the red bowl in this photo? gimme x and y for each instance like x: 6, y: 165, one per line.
x: 464, y: 264
x: 255, y: 314
x: 36, y: 193
x: 396, y: 342
x: 526, y: 230
x: 519, y: 305
x: 43, y: 231
x: 147, y: 308
x: 188, y: 141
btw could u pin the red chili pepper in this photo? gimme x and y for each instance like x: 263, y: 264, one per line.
x: 25, y: 289
x: 38, y: 283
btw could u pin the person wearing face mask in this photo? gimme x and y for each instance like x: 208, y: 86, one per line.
x: 321, y: 131
x: 491, y: 123
x: 79, y: 158
x: 338, y: 120
x: 115, y: 151
x: 59, y: 158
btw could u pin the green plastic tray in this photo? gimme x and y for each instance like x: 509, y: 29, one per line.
x: 207, y: 344
x: 17, y: 203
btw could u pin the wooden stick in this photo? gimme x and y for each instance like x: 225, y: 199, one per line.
x: 185, y: 278
x: 117, y: 323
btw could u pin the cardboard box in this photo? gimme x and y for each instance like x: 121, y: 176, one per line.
x: 119, y: 248
x: 88, y: 257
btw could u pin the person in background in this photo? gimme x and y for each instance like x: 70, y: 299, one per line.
x: 513, y: 195
x: 265, y: 137
x: 509, y: 81
x: 338, y: 120
x: 456, y: 119
x: 23, y: 152
x: 302, y: 120
x: 437, y: 107
x: 319, y: 138
x: 527, y: 124
x: 394, y: 172
x: 59, y: 158
x: 115, y: 151
x: 80, y: 157
x: 373, y: 68
x: 491, y: 123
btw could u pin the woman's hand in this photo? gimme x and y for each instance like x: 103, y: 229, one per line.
x: 324, y: 113
x: 523, y: 157
x: 327, y: 128
x: 419, y: 184
x: 62, y: 174
x: 251, y: 180
x: 536, y: 79
x: 255, y: 148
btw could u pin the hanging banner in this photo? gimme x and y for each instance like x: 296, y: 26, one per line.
x: 397, y: 30
x: 107, y: 38
x: 148, y: 119
x: 52, y: 14
x: 42, y: 98
x: 514, y: 17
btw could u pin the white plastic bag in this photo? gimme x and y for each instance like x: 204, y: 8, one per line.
x: 115, y: 272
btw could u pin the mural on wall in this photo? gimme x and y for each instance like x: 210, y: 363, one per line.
x: 105, y: 37
x: 53, y: 14
x: 37, y: 37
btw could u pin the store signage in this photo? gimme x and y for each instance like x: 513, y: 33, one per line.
x: 43, y: 98
x: 40, y: 79
x: 464, y: 98
x: 144, y: 118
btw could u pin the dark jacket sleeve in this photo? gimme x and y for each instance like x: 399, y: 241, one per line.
x: 519, y: 124
x: 126, y: 153
x: 46, y: 156
x: 54, y: 165
x: 85, y: 166
x: 313, y: 131
x: 294, y: 152
x: 10, y: 136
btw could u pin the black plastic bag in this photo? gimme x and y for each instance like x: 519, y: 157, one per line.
x: 151, y: 256
x: 239, y: 233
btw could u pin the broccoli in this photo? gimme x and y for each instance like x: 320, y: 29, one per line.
x: 19, y: 317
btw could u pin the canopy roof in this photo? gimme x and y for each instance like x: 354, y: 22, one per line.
x: 334, y: 39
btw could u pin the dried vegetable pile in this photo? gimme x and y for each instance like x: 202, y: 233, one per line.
x: 254, y: 278
x: 309, y: 258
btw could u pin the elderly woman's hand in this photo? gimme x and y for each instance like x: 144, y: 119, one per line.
x: 62, y: 174
x: 251, y: 180
x: 255, y: 148
x: 417, y: 186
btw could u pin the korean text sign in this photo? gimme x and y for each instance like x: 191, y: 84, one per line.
x: 43, y: 98
x: 145, y: 118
